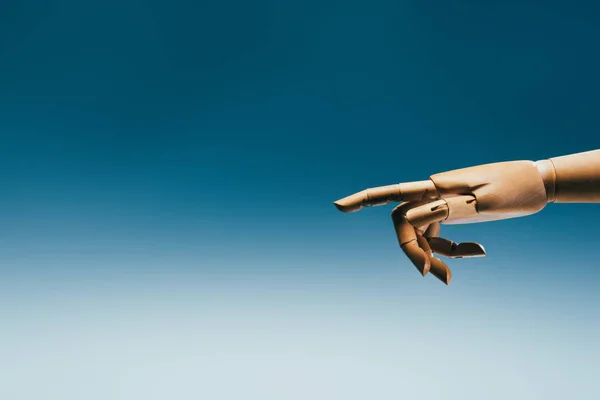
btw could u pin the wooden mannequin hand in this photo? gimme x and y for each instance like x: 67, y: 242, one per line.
x: 477, y: 194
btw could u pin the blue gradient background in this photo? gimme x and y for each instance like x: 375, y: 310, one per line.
x: 168, y: 171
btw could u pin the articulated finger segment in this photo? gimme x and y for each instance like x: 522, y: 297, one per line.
x: 417, y: 256
x: 407, y: 239
x: 450, y: 249
x: 412, y: 191
x: 442, y: 246
x: 468, y: 250
x: 445, y: 210
x: 440, y: 270
x: 433, y: 230
x: 437, y: 267
x: 428, y: 213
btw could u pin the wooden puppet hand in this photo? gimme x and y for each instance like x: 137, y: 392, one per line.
x: 476, y: 194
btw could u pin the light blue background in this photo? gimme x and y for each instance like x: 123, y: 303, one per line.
x: 167, y: 175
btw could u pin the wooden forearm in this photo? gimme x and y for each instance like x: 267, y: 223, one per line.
x: 572, y: 179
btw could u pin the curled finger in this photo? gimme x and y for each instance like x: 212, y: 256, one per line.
x: 407, y: 239
x: 438, y: 268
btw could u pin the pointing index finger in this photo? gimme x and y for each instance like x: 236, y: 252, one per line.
x: 411, y: 191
